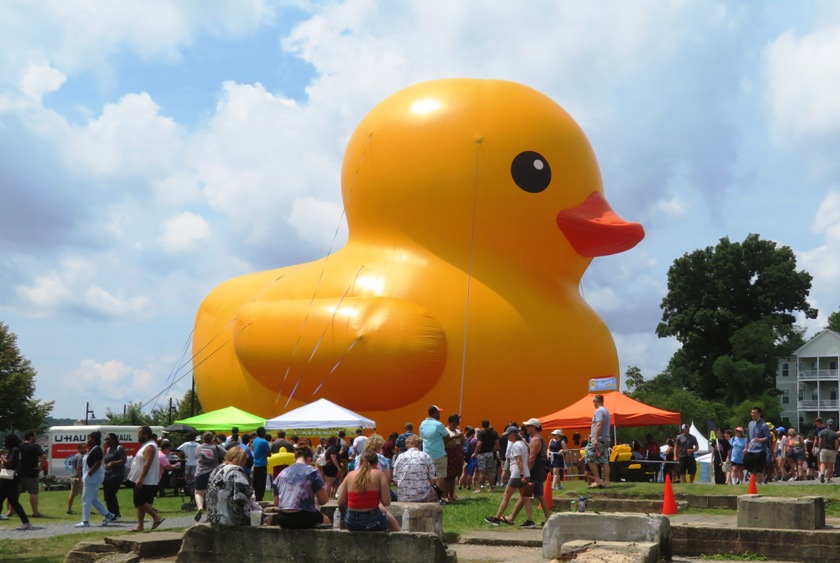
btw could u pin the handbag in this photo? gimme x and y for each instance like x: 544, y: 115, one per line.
x: 726, y: 467
x: 527, y: 490
x: 7, y: 474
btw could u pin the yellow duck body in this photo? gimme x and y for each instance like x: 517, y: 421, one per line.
x: 474, y: 208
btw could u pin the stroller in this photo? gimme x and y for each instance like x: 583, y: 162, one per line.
x: 188, y: 497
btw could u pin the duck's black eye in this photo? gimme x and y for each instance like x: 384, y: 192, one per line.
x: 531, y: 171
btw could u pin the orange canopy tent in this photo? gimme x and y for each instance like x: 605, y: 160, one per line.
x: 624, y: 412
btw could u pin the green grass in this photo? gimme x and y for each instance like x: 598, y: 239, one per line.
x: 734, y: 557
x: 53, y: 506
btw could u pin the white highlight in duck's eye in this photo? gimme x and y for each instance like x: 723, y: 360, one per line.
x: 539, y: 164
x: 425, y: 106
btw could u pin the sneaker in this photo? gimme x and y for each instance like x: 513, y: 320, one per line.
x: 199, y: 514
x: 69, y: 512
x: 3, y: 517
x: 108, y: 519
x: 82, y: 525
x: 527, y: 525
x: 792, y: 479
x: 822, y: 478
x: 117, y: 518
x: 492, y: 520
x: 24, y: 527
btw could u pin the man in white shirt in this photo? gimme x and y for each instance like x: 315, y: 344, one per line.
x: 190, y: 462
x: 359, y: 443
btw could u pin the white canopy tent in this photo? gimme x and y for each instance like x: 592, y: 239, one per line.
x: 321, y: 418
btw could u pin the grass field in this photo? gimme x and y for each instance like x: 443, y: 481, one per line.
x: 460, y: 517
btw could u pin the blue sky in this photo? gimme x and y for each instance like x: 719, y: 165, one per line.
x: 151, y: 150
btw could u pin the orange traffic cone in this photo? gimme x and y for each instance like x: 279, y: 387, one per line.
x: 669, y: 505
x: 547, y: 492
x: 753, y: 490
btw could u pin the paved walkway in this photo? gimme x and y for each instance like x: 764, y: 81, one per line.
x: 42, y: 528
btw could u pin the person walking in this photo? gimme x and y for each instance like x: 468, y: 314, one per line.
x: 685, y: 445
x: 75, y: 465
x: 92, y: 476
x: 10, y: 488
x: 115, y: 459
x: 145, y: 473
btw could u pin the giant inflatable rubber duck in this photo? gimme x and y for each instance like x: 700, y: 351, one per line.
x: 474, y: 208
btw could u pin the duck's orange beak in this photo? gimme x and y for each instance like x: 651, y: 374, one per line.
x: 593, y: 228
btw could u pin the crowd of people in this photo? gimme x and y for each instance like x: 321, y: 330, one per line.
x: 228, y: 475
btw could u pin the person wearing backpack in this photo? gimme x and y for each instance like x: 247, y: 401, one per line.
x: 208, y: 456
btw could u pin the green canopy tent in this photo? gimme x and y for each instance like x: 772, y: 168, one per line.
x: 223, y: 420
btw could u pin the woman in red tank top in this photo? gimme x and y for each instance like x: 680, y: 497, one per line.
x: 365, y: 492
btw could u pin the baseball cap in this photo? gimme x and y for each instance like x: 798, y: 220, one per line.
x: 533, y: 422
x: 434, y: 408
x: 512, y: 429
x: 830, y: 422
x: 557, y: 433
x: 684, y: 427
x: 739, y: 429
x: 781, y: 428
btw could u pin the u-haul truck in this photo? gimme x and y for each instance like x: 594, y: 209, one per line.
x: 64, y: 444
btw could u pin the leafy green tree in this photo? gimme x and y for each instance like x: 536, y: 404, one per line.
x: 633, y: 378
x: 734, y: 300
x: 667, y: 391
x: 18, y: 409
x: 187, y: 404
x: 834, y: 321
x: 769, y: 403
x: 133, y: 415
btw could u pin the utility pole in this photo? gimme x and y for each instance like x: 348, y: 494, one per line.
x: 88, y: 411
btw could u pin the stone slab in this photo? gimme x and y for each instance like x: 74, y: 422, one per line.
x: 781, y: 513
x: 777, y: 545
x: 153, y: 544
x: 625, y: 527
x: 267, y: 543
x: 611, y: 552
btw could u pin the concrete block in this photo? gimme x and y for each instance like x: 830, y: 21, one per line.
x: 423, y: 516
x: 811, y: 546
x: 781, y: 513
x: 267, y: 543
x: 120, y: 558
x: 569, y: 526
x: 152, y: 545
x: 611, y: 552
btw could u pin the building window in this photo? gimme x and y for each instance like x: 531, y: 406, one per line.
x: 815, y: 395
x: 785, y: 397
x: 801, y: 394
x: 832, y: 394
x: 785, y: 370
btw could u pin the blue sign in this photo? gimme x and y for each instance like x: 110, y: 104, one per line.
x: 603, y: 384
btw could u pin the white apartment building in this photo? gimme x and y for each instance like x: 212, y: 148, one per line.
x: 810, y: 381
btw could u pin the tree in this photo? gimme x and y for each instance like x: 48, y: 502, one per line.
x: 735, y: 301
x: 132, y: 415
x: 834, y: 321
x: 633, y: 377
x: 187, y: 404
x: 18, y: 409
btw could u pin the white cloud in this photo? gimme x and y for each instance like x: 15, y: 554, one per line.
x: 74, y: 290
x: 129, y: 138
x: 114, y: 379
x: 822, y: 261
x: 184, y: 232
x: 319, y: 222
x: 804, y: 77
x: 40, y: 79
